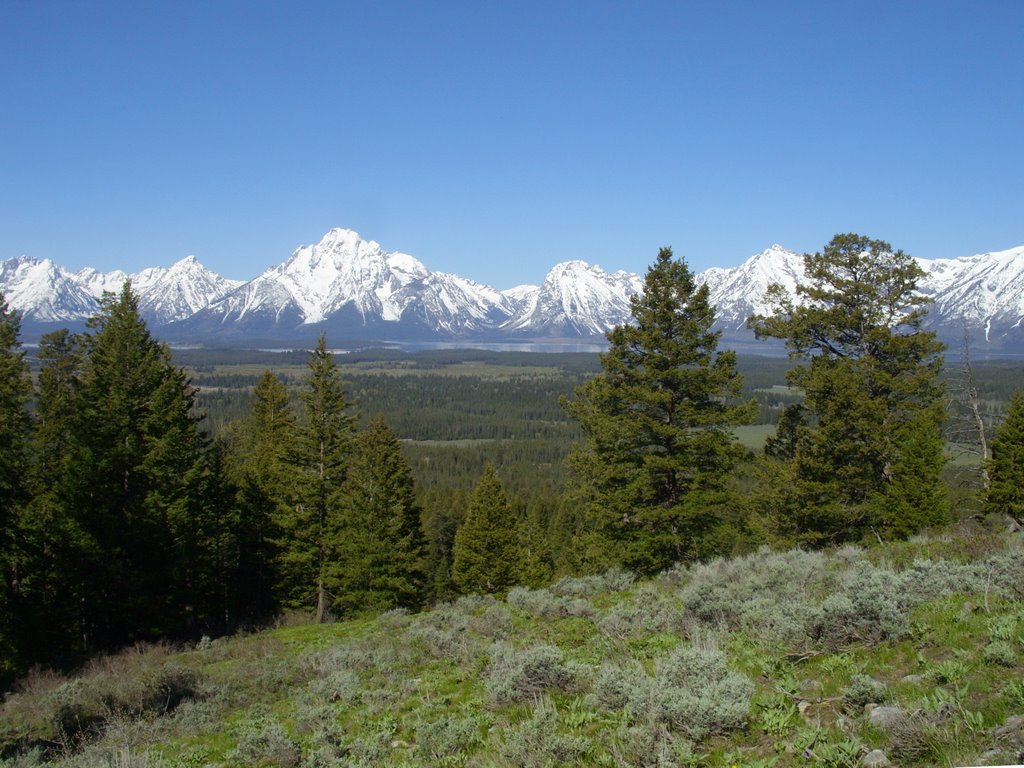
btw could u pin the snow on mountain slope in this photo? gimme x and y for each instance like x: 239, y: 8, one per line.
x: 985, y: 290
x: 344, y: 275
x: 576, y: 299
x: 352, y: 285
x: 47, y: 293
x: 739, y: 293
x: 179, y: 291
x: 43, y: 291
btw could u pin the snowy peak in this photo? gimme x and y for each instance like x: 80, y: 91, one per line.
x: 179, y: 291
x: 576, y: 299
x: 739, y: 293
x: 980, y: 289
x: 47, y: 293
x: 354, y: 288
x: 43, y: 290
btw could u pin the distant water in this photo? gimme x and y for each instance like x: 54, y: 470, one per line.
x: 493, y: 346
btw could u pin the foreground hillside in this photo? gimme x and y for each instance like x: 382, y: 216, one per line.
x: 791, y: 658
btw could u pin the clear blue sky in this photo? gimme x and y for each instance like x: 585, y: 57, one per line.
x: 494, y: 139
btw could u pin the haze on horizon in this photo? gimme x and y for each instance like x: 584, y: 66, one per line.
x: 493, y: 140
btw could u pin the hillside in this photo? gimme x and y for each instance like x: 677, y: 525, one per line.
x: 774, y: 658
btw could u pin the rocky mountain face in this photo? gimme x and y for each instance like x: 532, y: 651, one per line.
x: 48, y: 294
x: 355, y: 290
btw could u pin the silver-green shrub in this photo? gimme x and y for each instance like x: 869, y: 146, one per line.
x: 693, y: 692
x: 612, y: 580
x: 537, y: 742
x: 518, y: 674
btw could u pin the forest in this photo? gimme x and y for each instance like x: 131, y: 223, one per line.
x: 148, y: 493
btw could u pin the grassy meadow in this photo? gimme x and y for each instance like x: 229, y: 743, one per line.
x: 772, y: 659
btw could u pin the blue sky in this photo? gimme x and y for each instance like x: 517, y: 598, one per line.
x: 494, y: 139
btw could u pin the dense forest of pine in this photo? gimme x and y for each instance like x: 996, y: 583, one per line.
x: 146, y: 494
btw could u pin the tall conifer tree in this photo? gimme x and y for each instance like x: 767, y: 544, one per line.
x: 49, y: 533
x: 381, y: 561
x: 1005, y: 494
x: 263, y: 447
x: 311, y: 529
x: 659, y: 445
x: 136, y: 480
x: 486, y: 555
x: 15, y: 390
x: 870, y: 375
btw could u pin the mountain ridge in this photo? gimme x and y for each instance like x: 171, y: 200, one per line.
x: 352, y: 287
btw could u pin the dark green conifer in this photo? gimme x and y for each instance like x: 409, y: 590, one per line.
x: 1006, y: 469
x: 136, y: 479
x: 869, y: 369
x: 486, y: 554
x: 659, y: 446
x: 15, y: 390
x: 311, y: 529
x: 48, y: 531
x: 263, y: 446
x: 381, y: 555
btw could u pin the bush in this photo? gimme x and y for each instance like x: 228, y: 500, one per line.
x: 693, y: 691
x: 612, y: 580
x: 516, y: 674
x: 262, y: 740
x: 696, y: 692
x: 1001, y: 653
x: 544, y: 604
x: 537, y: 743
x: 862, y: 690
x: 867, y: 609
x: 645, y: 612
x: 447, y: 737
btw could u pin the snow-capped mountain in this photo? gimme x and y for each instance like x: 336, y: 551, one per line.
x: 986, y: 291
x: 740, y: 292
x: 352, y: 284
x: 354, y: 289
x: 46, y: 293
x: 576, y: 299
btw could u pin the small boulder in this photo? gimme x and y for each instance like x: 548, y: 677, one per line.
x: 875, y: 759
x: 884, y: 718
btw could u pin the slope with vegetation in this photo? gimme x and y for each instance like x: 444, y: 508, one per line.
x: 123, y: 522
x: 788, y: 658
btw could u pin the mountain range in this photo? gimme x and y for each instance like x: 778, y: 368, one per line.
x: 356, y: 291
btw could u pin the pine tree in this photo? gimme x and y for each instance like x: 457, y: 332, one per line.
x: 48, y: 531
x: 311, y: 529
x: 1006, y: 469
x: 915, y: 497
x: 869, y: 370
x: 15, y: 390
x: 485, y: 553
x: 263, y: 445
x: 381, y: 561
x: 659, y: 446
x: 136, y: 479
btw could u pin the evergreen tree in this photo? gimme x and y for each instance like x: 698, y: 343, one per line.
x: 444, y: 510
x: 48, y: 531
x: 263, y: 445
x: 659, y: 446
x: 485, y: 555
x: 536, y: 562
x: 1006, y: 469
x: 15, y: 390
x: 869, y: 371
x: 915, y: 497
x: 381, y: 555
x: 311, y: 529
x: 136, y: 479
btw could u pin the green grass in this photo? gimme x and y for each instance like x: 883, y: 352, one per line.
x: 581, y: 673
